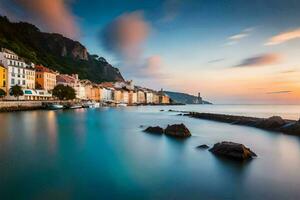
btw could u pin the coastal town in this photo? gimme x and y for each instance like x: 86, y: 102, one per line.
x: 37, y: 83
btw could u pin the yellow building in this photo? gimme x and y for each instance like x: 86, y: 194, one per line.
x: 3, y: 75
x: 45, y: 78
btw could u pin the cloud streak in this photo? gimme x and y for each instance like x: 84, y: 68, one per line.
x: 50, y: 15
x: 234, y: 39
x: 284, y: 37
x: 261, y: 60
x: 216, y: 60
x: 280, y: 92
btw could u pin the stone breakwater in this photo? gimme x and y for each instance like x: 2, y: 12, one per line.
x: 13, y: 106
x: 274, y: 123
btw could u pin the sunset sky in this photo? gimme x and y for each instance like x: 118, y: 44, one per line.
x: 232, y: 51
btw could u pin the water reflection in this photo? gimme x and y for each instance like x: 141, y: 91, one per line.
x: 104, y: 154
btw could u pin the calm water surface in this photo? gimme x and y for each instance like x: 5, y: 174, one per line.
x: 103, y: 154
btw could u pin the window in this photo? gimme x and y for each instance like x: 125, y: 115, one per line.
x: 19, y: 82
x: 12, y: 81
x: 4, y: 83
x: 23, y: 82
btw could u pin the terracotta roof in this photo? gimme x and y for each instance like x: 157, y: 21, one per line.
x: 41, y: 68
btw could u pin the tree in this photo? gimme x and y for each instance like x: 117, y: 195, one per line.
x: 64, y: 92
x: 2, y: 93
x: 16, y: 91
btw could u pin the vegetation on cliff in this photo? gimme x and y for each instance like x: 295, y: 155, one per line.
x: 55, y: 51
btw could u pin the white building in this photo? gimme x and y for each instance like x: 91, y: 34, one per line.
x: 35, y: 95
x: 149, y: 97
x: 106, y: 94
x: 79, y: 90
x: 16, y: 74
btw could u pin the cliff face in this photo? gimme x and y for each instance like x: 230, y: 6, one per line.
x: 55, y: 51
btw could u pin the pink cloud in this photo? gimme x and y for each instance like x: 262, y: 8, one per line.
x: 51, y: 15
x: 126, y: 35
x: 284, y: 37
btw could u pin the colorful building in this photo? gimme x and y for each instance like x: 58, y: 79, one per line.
x: 117, y: 96
x: 141, y: 98
x: 45, y: 77
x: 15, y: 68
x: 3, y: 76
x: 30, y: 76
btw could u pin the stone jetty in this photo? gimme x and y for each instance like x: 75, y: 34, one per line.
x: 274, y: 123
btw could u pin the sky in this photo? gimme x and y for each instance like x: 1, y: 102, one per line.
x: 231, y: 51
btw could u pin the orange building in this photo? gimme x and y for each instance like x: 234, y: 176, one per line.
x: 45, y: 77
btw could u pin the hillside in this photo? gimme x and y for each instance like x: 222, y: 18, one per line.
x: 55, y: 51
x: 184, y: 98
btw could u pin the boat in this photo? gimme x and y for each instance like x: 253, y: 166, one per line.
x: 122, y: 105
x: 54, y: 106
x: 90, y: 104
x: 75, y: 106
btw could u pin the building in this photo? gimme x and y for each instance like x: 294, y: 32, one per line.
x: 67, y: 80
x: 124, y: 85
x: 132, y: 99
x: 15, y: 68
x: 3, y: 76
x: 149, y: 97
x: 95, y: 93
x: 117, y: 96
x: 155, y: 98
x: 45, y: 78
x: 141, y: 98
x: 79, y: 90
x: 125, y: 96
x: 35, y: 95
x: 30, y: 76
x: 106, y: 94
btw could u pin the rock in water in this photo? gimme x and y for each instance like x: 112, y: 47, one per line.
x: 177, y: 130
x: 232, y: 150
x: 203, y: 146
x: 272, y: 123
x: 154, y: 129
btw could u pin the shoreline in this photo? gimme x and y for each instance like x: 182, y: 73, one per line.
x: 19, y: 106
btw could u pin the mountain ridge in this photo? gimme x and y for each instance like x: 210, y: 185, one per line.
x: 184, y: 98
x: 55, y: 51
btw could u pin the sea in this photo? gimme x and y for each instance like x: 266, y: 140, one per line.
x: 103, y: 153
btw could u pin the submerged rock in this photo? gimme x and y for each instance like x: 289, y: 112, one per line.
x: 232, y: 150
x: 154, y: 129
x: 162, y: 110
x: 203, y: 146
x: 271, y: 123
x: 177, y: 130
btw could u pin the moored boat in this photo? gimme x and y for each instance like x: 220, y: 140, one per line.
x: 54, y: 106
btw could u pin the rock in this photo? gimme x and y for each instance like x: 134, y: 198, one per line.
x: 272, y: 123
x: 154, y: 129
x: 203, y: 146
x: 177, y: 130
x: 162, y: 110
x: 292, y: 128
x: 232, y: 150
x: 180, y: 114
